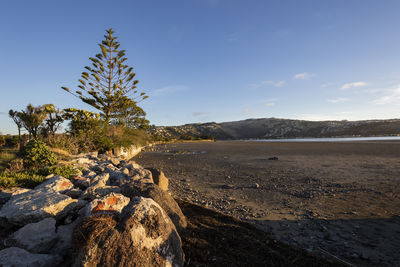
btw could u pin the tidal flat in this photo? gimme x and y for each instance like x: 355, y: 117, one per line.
x: 334, y: 199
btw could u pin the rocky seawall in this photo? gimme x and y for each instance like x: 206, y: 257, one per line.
x: 115, y: 213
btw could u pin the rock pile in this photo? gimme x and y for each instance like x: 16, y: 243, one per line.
x: 115, y: 213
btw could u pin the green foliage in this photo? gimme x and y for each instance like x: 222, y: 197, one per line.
x: 22, y: 179
x: 66, y: 171
x: 88, y: 132
x: 130, y: 115
x: 2, y: 140
x: 54, y: 118
x: 38, y: 154
x: 109, y: 82
x: 33, y: 177
x: 32, y: 118
x: 12, y: 140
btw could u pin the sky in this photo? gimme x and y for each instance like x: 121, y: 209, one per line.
x: 211, y: 60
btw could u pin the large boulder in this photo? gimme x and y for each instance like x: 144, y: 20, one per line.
x: 159, y: 178
x: 13, y: 257
x: 134, y: 173
x: 36, y: 205
x: 64, y: 234
x: 111, y: 203
x: 6, y: 194
x: 56, y: 183
x: 37, y: 237
x: 145, y: 236
x: 96, y: 182
x: 167, y: 202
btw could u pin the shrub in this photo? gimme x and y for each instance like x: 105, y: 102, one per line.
x: 16, y: 164
x: 66, y: 171
x: 38, y: 154
x: 22, y: 179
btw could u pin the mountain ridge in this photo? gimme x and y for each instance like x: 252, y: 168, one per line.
x: 273, y: 128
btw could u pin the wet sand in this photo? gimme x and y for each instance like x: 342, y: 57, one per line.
x: 333, y: 199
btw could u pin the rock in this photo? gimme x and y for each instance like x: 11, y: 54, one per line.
x: 115, y: 161
x: 96, y: 182
x: 111, y: 203
x: 56, y: 183
x: 12, y: 257
x: 152, y: 191
x: 83, y: 160
x: 37, y: 237
x: 140, y: 175
x: 159, y: 178
x: 105, y: 190
x: 74, y: 193
x: 273, y: 158
x: 125, y: 171
x: 35, y: 205
x: 99, y: 180
x: 64, y: 234
x: 81, y: 182
x: 145, y: 236
x: 6, y: 194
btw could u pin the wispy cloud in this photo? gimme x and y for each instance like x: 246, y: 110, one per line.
x: 391, y: 96
x: 273, y: 83
x: 270, y: 102
x: 276, y: 84
x: 353, y: 85
x: 250, y: 112
x: 338, y: 100
x: 199, y: 113
x: 303, y: 76
x: 168, y: 90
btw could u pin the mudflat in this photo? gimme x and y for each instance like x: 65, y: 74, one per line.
x: 337, y: 200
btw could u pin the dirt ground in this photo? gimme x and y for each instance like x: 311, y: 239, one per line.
x: 336, y: 200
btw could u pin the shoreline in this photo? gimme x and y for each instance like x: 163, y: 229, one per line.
x: 342, y: 198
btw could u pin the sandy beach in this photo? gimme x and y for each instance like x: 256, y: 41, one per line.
x: 338, y: 200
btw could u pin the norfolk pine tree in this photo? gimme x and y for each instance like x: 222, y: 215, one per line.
x: 109, y: 83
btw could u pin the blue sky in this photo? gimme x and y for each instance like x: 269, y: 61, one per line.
x: 211, y: 60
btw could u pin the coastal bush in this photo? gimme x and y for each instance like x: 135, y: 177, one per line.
x: 33, y: 177
x: 66, y: 171
x: 22, y: 179
x: 38, y: 154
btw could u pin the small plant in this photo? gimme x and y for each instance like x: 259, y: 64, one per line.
x: 38, y: 154
x: 66, y: 171
x: 22, y: 179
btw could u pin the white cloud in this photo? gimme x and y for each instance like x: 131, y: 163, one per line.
x: 269, y: 104
x: 276, y: 84
x: 199, y: 113
x: 353, y: 85
x: 168, y: 90
x: 391, y: 97
x: 303, y: 76
x: 338, y: 100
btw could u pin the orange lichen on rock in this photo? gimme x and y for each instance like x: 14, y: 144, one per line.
x: 112, y: 200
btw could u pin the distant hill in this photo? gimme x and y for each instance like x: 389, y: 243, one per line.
x: 278, y: 128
